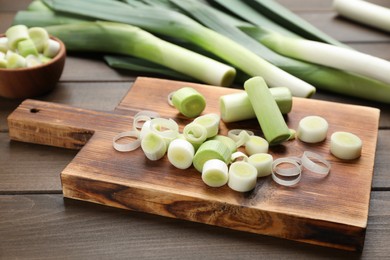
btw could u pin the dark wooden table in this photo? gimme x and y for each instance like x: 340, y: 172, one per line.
x: 36, y: 222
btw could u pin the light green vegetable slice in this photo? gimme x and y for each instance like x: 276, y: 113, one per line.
x: 267, y: 112
x: 211, y: 149
x: 215, y: 173
x: 189, y: 101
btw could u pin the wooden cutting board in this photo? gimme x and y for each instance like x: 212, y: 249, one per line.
x: 329, y: 211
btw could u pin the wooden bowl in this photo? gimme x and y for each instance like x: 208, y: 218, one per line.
x: 34, y: 81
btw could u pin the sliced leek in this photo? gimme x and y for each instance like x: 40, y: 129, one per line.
x: 189, y: 101
x: 262, y: 163
x: 312, y: 129
x: 237, y: 106
x: 242, y: 176
x: 154, y: 146
x: 180, y: 153
x: 256, y: 144
x: 267, y: 112
x: 195, y: 133
x: 210, y: 122
x: 345, y: 145
x: 215, y: 173
x: 211, y: 149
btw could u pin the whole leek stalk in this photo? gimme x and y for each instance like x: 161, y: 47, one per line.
x: 174, y: 24
x: 126, y: 39
x: 323, y: 77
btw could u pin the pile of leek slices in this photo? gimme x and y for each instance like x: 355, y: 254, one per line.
x: 24, y: 47
x: 236, y: 159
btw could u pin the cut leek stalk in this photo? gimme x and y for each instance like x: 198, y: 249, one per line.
x: 3, y: 44
x: 267, y: 112
x: 189, y: 101
x: 345, y: 145
x: 312, y: 129
x: 195, y: 133
x: 154, y: 146
x: 39, y: 36
x: 211, y: 149
x: 107, y: 36
x: 237, y: 106
x: 215, y: 173
x: 242, y: 176
x: 27, y: 47
x: 262, y: 163
x: 226, y: 140
x: 210, y: 122
x: 15, y: 61
x: 256, y: 144
x: 180, y: 153
x: 16, y: 34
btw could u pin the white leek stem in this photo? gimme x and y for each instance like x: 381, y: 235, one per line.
x: 181, y: 153
x: 331, y: 56
x: 345, y: 145
x: 312, y: 129
x: 215, y: 173
x: 364, y: 12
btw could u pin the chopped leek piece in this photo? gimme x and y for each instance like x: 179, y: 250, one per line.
x: 226, y: 140
x: 27, y: 47
x: 3, y: 44
x: 237, y: 106
x: 210, y: 122
x: 211, y: 149
x: 154, y: 146
x: 262, y: 162
x: 256, y: 144
x: 195, y: 133
x: 345, y: 145
x: 16, y: 34
x: 51, y: 48
x: 189, y: 101
x: 39, y: 36
x: 312, y: 129
x: 32, y: 61
x: 267, y: 112
x: 15, y: 61
x: 181, y: 153
x: 242, y: 176
x: 215, y: 173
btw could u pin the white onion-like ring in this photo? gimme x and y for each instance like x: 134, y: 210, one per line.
x: 235, y: 133
x: 313, y: 166
x: 239, y: 155
x: 170, y: 95
x: 172, y: 128
x: 143, y: 116
x: 290, y: 172
x: 126, y: 147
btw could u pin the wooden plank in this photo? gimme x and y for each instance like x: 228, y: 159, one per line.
x: 39, y: 227
x: 99, y: 174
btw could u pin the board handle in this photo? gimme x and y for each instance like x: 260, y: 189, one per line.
x: 61, y: 125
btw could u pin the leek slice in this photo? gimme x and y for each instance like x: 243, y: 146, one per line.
x: 211, y: 149
x: 189, y: 101
x: 154, y: 146
x: 226, y: 140
x: 39, y: 36
x: 262, y: 163
x: 256, y: 144
x: 312, y: 129
x: 237, y: 106
x: 345, y: 145
x: 3, y: 44
x: 267, y: 112
x: 242, y: 176
x: 27, y: 47
x: 195, y: 133
x: 215, y: 173
x: 16, y: 34
x: 180, y: 153
x: 210, y: 122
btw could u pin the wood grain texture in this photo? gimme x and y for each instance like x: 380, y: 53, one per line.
x: 100, y: 174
